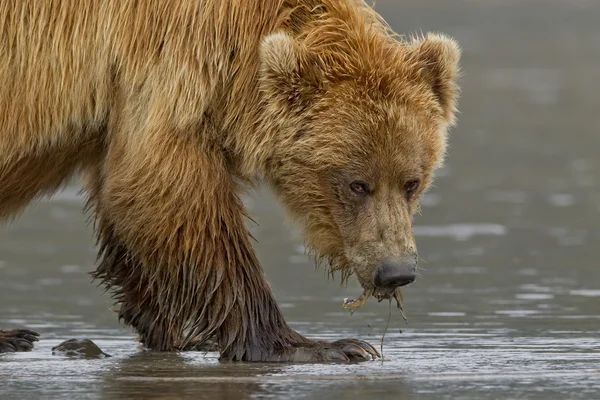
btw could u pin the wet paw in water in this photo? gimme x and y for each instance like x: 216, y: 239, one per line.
x: 79, y: 348
x: 343, y: 350
x: 17, y: 340
x: 356, y: 350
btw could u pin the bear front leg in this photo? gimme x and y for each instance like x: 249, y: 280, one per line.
x: 14, y: 340
x: 177, y: 255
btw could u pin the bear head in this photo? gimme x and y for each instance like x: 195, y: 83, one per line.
x: 361, y: 120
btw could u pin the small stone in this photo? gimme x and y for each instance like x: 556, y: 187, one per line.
x: 78, y: 348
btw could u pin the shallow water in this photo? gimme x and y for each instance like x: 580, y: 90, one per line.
x: 509, y: 299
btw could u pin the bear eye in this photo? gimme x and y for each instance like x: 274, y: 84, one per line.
x: 359, y: 187
x: 411, y: 186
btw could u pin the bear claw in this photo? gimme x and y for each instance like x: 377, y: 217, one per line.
x: 344, y: 350
x: 15, y: 340
x: 357, y: 350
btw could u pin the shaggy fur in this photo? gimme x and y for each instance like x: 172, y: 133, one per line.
x: 170, y: 108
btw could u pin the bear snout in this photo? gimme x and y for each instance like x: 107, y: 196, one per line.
x: 396, y: 272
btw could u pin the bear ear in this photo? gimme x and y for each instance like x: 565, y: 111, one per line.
x: 287, y: 71
x: 438, y: 59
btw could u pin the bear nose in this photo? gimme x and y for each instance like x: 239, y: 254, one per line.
x: 396, y: 272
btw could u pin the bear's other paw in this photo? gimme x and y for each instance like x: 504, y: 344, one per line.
x: 17, y: 340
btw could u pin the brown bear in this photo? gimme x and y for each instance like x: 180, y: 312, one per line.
x: 170, y: 108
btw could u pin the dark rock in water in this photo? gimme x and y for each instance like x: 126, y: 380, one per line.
x: 78, y: 348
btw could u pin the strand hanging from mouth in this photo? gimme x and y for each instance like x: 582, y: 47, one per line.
x: 400, y: 303
x: 386, y: 328
x: 355, y: 304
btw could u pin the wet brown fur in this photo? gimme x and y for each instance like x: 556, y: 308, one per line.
x: 171, y: 108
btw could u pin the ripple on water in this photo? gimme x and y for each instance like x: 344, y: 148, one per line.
x: 517, y: 313
x: 460, y: 231
x: 534, y: 296
x: 461, y: 270
x: 71, y: 269
x: 535, y: 288
x: 585, y: 292
x: 49, y: 281
x: 528, y: 272
x: 446, y: 314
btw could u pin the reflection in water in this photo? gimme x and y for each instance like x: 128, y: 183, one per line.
x: 133, y: 375
x: 507, y: 306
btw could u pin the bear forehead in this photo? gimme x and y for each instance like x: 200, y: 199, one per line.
x: 377, y: 118
x: 376, y: 134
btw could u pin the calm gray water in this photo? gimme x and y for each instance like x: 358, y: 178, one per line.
x: 508, y: 306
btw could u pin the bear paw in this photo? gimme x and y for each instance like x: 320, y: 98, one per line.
x: 17, y: 340
x: 339, y: 351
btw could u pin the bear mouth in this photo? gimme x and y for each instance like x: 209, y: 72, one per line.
x: 390, y: 293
